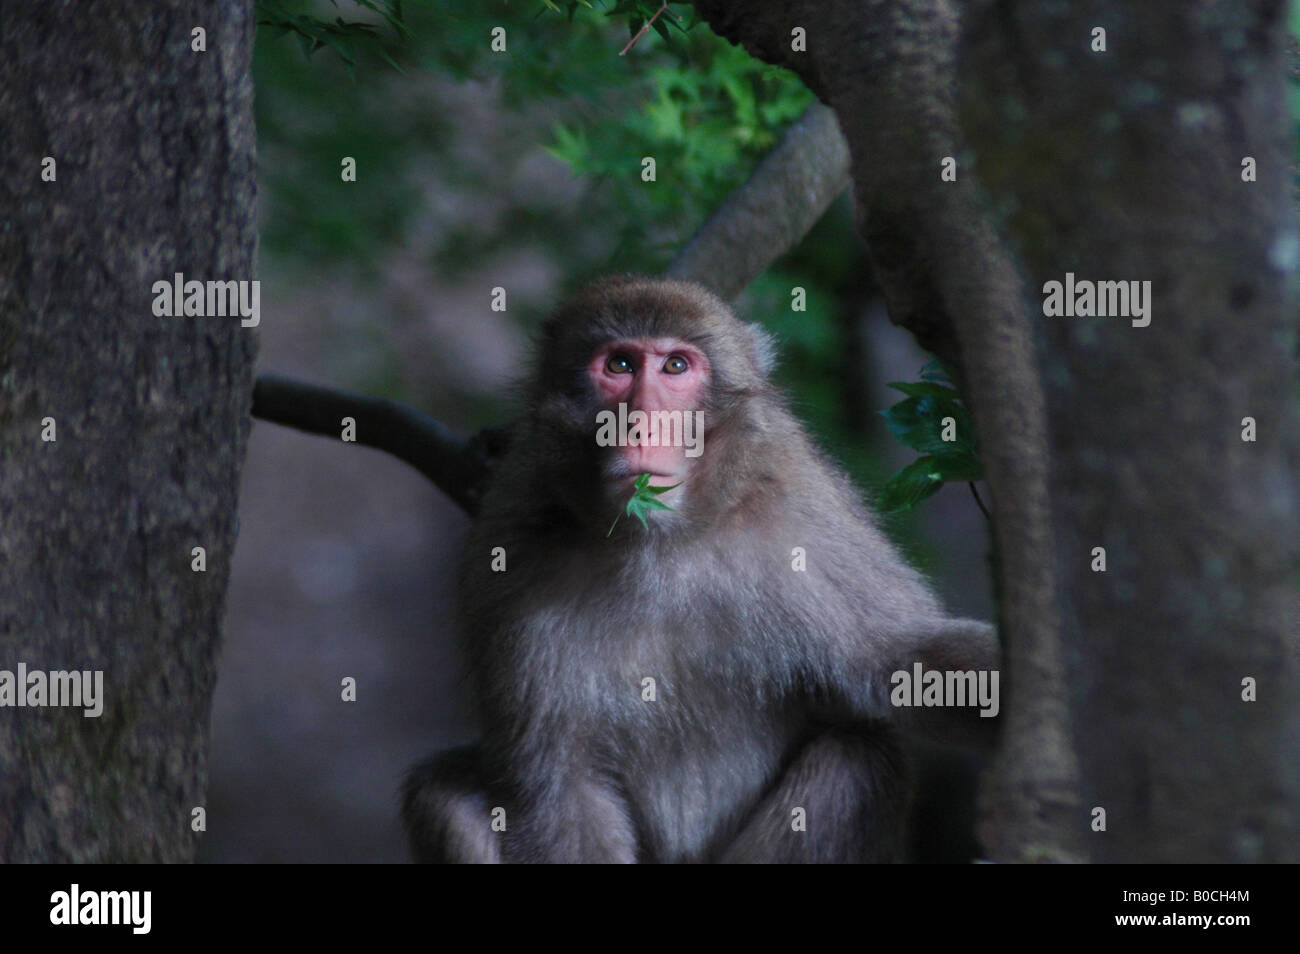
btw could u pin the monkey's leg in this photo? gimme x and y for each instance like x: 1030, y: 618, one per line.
x: 447, y: 812
x: 841, y: 800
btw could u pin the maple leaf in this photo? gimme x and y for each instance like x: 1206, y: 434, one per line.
x: 644, y: 499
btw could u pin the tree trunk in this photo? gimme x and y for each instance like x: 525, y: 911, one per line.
x: 1127, y: 165
x: 154, y: 150
x: 1118, y: 166
x: 886, y: 68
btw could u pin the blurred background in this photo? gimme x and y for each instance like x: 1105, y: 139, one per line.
x: 476, y: 169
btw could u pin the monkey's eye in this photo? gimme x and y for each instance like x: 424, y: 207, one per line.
x: 676, y: 364
x: 618, y: 364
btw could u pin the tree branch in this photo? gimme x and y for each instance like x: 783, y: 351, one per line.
x: 772, y: 212
x: 456, y: 466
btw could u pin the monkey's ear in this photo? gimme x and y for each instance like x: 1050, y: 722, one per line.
x: 764, y: 348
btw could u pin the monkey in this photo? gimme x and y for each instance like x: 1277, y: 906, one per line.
x: 683, y: 690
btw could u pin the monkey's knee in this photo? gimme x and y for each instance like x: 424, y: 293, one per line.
x: 842, y: 800
x: 446, y: 811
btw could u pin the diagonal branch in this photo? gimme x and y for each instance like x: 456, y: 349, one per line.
x: 771, y: 213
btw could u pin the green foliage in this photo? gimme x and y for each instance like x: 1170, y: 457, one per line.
x: 702, y: 108
x: 644, y: 499
x: 346, y: 38
x: 918, y: 422
x: 809, y: 334
x: 707, y: 113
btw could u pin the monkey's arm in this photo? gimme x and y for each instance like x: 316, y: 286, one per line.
x: 877, y: 678
x: 948, y: 646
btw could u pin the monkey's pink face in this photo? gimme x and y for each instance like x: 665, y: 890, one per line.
x: 666, y: 379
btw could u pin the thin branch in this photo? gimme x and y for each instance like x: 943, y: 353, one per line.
x: 646, y: 26
x: 456, y: 466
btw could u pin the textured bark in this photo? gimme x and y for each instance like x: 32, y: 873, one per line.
x: 1127, y: 165
x: 887, y: 68
x: 155, y: 152
x: 771, y: 213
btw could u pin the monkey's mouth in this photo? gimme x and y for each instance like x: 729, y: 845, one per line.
x: 657, y: 479
x: 621, y: 474
x: 661, y: 463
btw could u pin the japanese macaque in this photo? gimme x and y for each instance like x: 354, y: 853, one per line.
x: 714, y: 685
